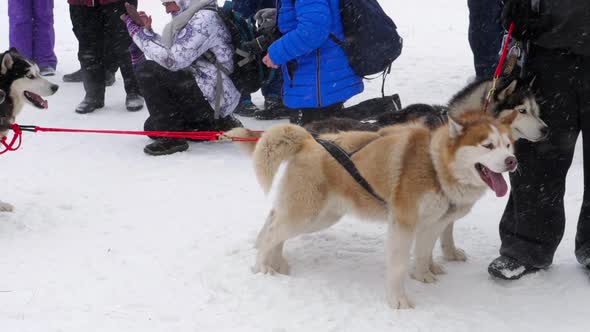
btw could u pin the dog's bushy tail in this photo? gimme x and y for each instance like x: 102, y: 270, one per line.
x: 276, y: 145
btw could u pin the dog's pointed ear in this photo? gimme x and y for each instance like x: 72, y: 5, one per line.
x: 7, y: 63
x: 508, y: 90
x: 455, y: 128
x: 507, y: 118
x: 13, y: 50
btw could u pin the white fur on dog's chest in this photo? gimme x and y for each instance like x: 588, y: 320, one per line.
x: 432, y: 207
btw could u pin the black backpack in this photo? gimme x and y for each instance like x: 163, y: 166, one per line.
x: 249, y: 72
x: 371, y: 41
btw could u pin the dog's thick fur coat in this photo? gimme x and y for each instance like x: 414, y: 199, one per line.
x: 428, y: 179
x: 20, y: 83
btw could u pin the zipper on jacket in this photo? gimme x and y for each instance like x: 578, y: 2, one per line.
x: 318, y: 80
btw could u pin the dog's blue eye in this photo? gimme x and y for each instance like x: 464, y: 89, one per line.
x: 489, y: 146
x: 522, y: 111
x: 31, y: 77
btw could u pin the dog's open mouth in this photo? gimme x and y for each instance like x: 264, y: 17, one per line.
x: 494, y: 180
x: 36, y: 100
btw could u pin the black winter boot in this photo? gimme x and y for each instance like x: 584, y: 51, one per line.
x: 273, y: 110
x: 246, y: 108
x: 90, y: 104
x: 227, y: 123
x: 134, y: 102
x: 508, y: 268
x: 164, y: 146
x: 76, y: 77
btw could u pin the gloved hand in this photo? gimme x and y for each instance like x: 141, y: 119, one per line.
x: 528, y: 24
x: 266, y: 18
x: 258, y: 45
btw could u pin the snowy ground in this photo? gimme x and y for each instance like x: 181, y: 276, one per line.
x: 108, y: 239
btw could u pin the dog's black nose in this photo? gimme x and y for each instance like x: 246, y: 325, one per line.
x: 54, y: 88
x: 545, y: 131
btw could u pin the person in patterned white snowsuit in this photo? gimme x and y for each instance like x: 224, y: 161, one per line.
x: 183, y: 90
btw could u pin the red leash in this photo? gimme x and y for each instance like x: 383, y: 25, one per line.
x: 17, y: 139
x: 196, y: 135
x: 213, y: 136
x: 498, y: 71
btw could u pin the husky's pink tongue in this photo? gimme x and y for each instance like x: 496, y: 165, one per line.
x: 498, y: 183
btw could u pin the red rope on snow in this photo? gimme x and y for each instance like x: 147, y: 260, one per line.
x: 213, y: 136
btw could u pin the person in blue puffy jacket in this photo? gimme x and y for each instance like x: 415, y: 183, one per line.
x: 317, y: 78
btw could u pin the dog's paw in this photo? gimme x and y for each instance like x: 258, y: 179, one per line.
x: 426, y: 277
x: 279, y: 266
x: 400, y: 302
x: 455, y: 254
x: 436, y: 268
x: 264, y: 269
x: 5, y: 207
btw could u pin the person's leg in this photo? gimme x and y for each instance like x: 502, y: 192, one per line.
x: 118, y: 42
x: 88, y: 24
x: 372, y: 108
x: 485, y: 35
x: 43, y: 34
x: 20, y: 17
x: 583, y: 234
x: 174, y: 103
x: 533, y: 223
x: 305, y: 116
x: 174, y: 100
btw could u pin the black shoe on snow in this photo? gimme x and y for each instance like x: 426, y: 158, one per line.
x: 47, y: 71
x: 246, y: 108
x: 228, y: 123
x: 508, y: 268
x: 134, y: 102
x: 164, y: 146
x: 75, y: 77
x: 89, y: 105
x: 273, y: 110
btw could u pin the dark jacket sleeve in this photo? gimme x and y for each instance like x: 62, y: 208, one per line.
x: 569, y: 27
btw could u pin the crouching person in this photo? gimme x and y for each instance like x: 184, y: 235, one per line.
x: 184, y: 91
x: 317, y: 77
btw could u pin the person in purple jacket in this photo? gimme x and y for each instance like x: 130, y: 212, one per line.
x: 31, y: 32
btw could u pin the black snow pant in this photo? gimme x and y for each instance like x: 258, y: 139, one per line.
x: 303, y: 116
x: 173, y: 99
x: 100, y: 31
x: 534, y: 220
x: 485, y: 35
x: 111, y: 63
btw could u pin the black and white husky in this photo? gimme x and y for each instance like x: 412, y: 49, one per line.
x: 509, y: 95
x: 20, y: 84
